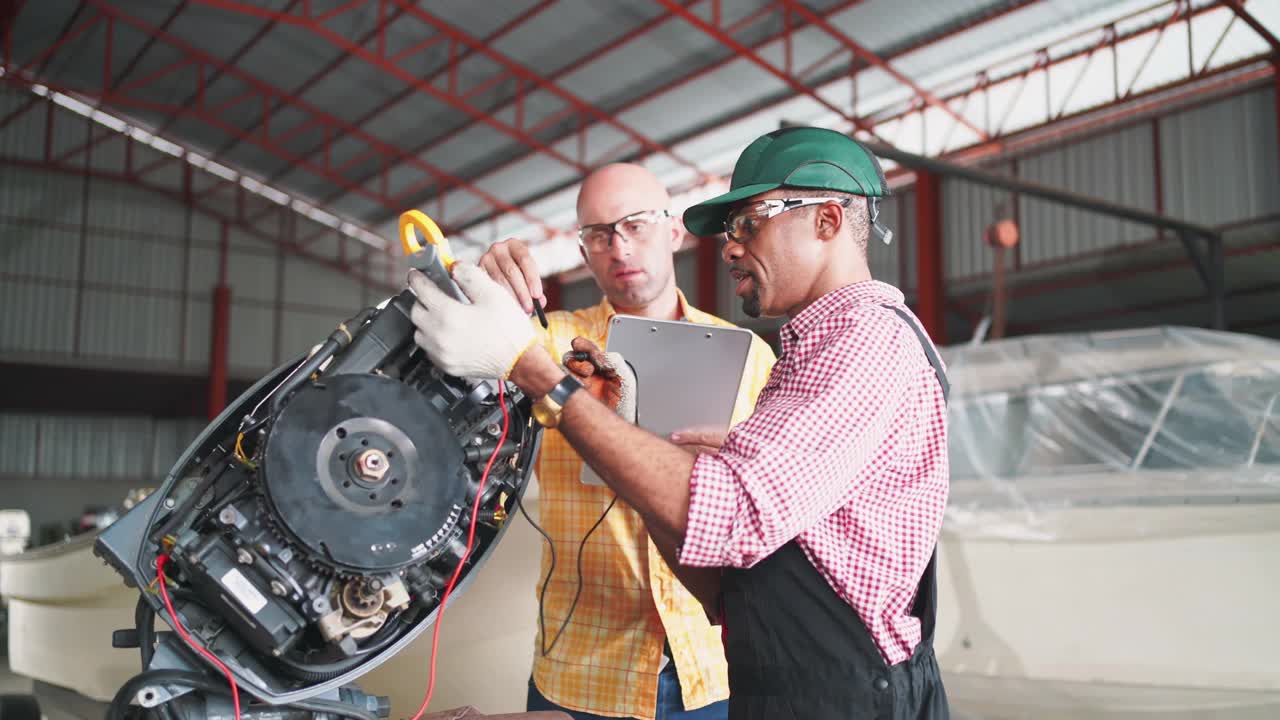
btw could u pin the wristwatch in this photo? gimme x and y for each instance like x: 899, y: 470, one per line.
x: 548, y: 408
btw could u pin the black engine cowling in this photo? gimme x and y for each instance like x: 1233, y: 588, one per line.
x: 312, y: 528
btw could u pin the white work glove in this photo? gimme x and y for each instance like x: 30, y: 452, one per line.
x: 606, y: 376
x: 480, y: 340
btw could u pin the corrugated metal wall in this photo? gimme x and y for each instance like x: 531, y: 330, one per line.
x: 888, y: 261
x: 1118, y: 166
x: 967, y: 210
x: 1216, y: 164
x: 97, y: 270
x: 100, y: 272
x: 1220, y: 161
x: 141, y: 294
x: 87, y: 447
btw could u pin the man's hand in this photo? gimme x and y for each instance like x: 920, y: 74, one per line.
x: 480, y: 340
x: 606, y: 376
x: 699, y: 439
x: 511, y: 265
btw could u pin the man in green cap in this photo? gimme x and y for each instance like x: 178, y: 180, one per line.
x: 810, y: 529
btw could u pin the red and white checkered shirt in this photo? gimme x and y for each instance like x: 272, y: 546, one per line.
x: 846, y: 452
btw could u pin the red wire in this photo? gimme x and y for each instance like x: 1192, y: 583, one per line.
x: 471, y: 535
x: 177, y: 625
x: 435, y: 637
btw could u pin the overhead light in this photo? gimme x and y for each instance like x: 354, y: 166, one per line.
x: 201, y: 162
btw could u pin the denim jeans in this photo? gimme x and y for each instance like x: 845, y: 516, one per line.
x: 670, y: 704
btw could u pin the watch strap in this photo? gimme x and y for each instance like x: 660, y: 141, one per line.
x: 563, y: 389
x: 548, y: 408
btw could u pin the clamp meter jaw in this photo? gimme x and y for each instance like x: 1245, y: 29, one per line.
x: 431, y: 254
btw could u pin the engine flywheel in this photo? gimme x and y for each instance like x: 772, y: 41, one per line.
x: 365, y: 473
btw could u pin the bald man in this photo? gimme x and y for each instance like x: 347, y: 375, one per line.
x: 627, y: 640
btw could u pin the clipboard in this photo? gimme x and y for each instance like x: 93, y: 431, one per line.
x: 687, y: 374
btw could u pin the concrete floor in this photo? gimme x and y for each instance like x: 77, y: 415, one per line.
x: 55, y: 703
x: 11, y: 683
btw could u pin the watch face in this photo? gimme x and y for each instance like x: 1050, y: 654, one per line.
x: 563, y: 389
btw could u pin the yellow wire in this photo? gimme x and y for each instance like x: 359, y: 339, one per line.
x: 239, y: 452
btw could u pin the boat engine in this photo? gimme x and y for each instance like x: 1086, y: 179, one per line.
x: 309, y: 533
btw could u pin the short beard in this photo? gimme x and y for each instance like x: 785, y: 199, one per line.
x: 751, y: 303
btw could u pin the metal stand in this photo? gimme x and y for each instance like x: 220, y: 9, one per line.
x: 172, y: 688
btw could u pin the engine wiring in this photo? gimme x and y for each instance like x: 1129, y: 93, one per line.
x: 161, y: 560
x: 238, y: 466
x: 577, y: 594
x: 240, y: 454
x: 471, y: 536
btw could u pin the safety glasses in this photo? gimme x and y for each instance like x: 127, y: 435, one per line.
x: 746, y: 221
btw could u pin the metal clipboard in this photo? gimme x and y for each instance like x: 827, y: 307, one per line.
x: 687, y: 374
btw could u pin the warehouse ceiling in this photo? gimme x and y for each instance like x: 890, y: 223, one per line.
x: 486, y: 115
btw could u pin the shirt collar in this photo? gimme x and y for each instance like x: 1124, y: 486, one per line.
x: 604, y: 311
x: 860, y: 293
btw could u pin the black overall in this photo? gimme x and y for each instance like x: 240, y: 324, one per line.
x: 797, y: 651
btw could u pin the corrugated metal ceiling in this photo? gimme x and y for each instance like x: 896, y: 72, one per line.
x: 520, y: 67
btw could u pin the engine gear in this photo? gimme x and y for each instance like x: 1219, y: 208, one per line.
x: 311, y: 529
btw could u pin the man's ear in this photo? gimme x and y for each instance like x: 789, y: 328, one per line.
x: 583, y: 252
x: 829, y: 219
x: 677, y: 233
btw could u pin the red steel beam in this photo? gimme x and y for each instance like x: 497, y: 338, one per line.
x: 177, y: 197
x: 1111, y: 115
x: 930, y: 286
x: 1174, y: 17
x: 553, y: 77
x: 528, y: 75
x: 706, y: 69
x: 381, y: 63
x: 1237, y: 6
x: 8, y: 60
x: 630, y: 104
x: 708, y: 274
x: 235, y: 58
x: 130, y: 176
x: 9, y: 10
x: 645, y: 29
x: 264, y: 140
x: 378, y: 31
x: 206, y: 83
x: 874, y: 59
x: 748, y: 54
x: 64, y: 39
x: 400, y: 96
x: 220, y: 332
x: 1077, y: 52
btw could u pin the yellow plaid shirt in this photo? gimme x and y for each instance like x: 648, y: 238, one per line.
x: 607, y: 660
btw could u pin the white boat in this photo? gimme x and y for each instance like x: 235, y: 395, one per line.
x: 1112, y: 541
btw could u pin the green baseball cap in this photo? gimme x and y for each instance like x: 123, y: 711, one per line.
x: 809, y: 158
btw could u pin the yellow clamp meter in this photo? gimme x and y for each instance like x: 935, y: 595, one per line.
x: 430, y: 255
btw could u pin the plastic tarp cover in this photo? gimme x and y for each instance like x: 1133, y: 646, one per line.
x: 1148, y: 417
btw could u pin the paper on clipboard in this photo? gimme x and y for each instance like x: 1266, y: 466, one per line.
x: 687, y: 374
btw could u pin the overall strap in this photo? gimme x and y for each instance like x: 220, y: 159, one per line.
x: 925, y: 606
x: 929, y: 350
